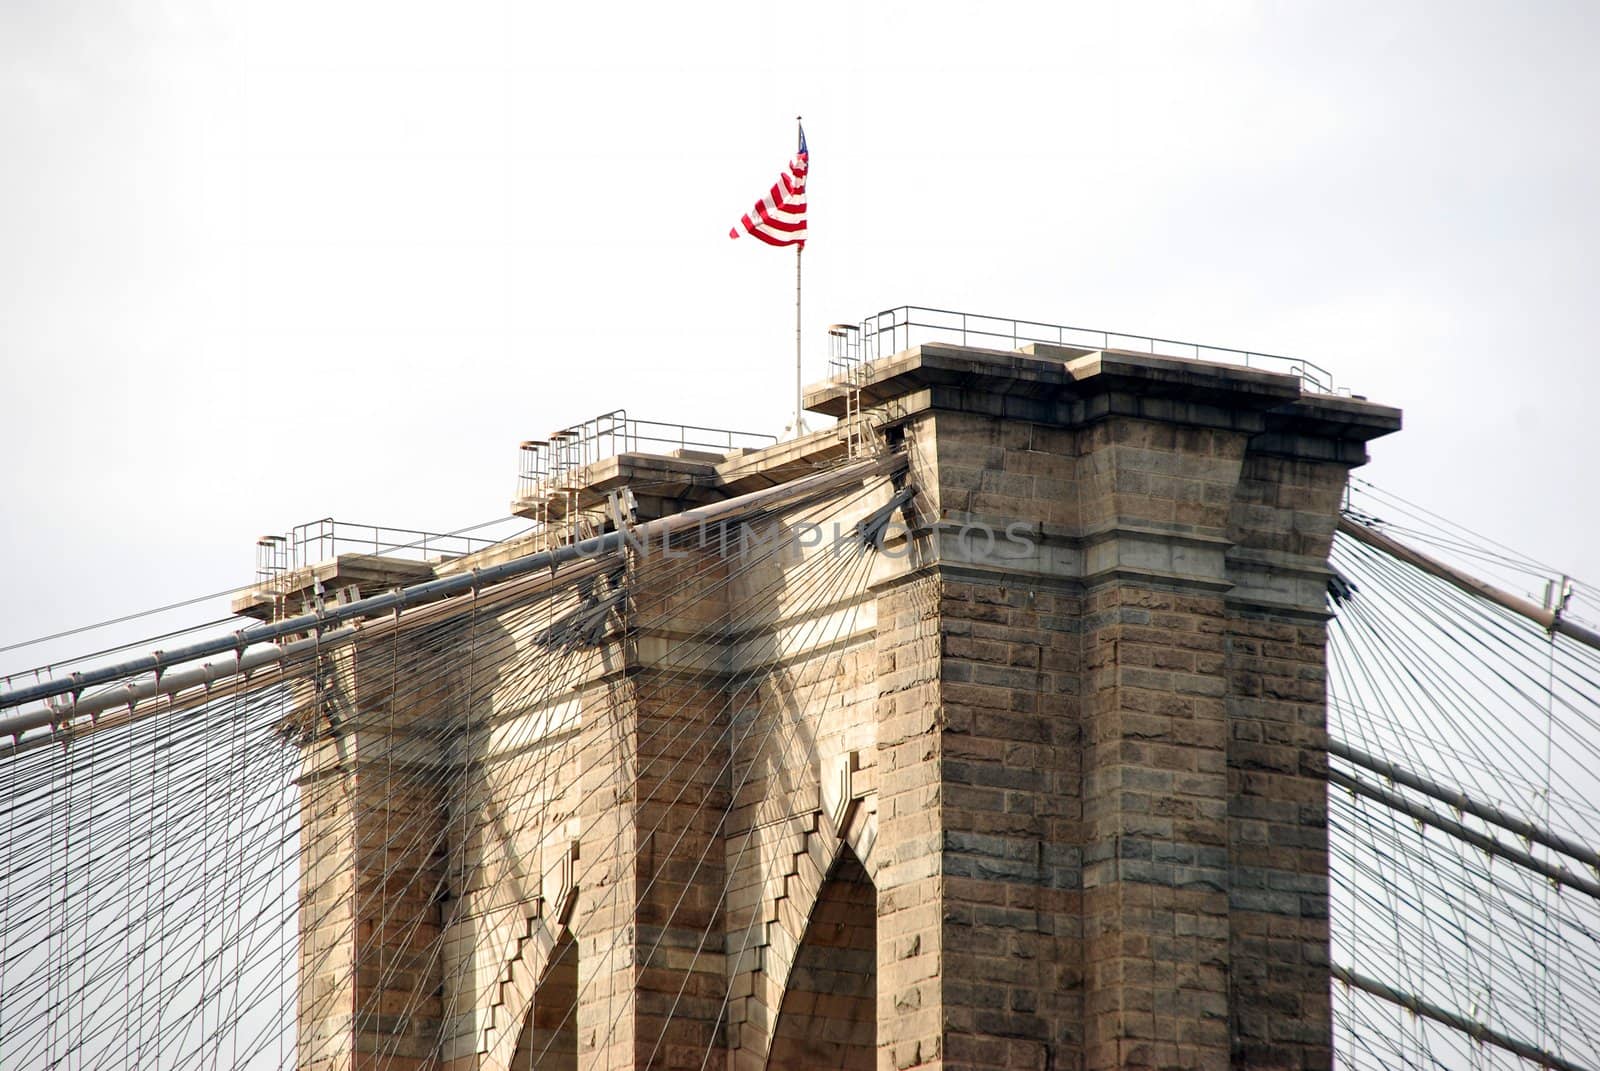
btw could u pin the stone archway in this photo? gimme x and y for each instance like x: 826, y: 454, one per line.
x: 829, y: 1014
x: 549, y: 1038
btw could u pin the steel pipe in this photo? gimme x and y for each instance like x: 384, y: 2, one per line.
x: 1548, y: 620
x: 1470, y: 1027
x: 1462, y: 802
x: 320, y: 622
x: 1487, y: 844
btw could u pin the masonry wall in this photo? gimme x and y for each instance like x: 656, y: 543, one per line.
x: 1074, y: 765
x: 1125, y: 739
x: 1277, y: 766
x: 510, y: 826
x: 802, y: 649
x: 373, y: 866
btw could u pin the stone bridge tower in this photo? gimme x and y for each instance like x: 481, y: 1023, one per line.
x: 1044, y: 789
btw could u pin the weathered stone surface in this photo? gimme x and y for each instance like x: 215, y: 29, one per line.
x: 1064, y: 740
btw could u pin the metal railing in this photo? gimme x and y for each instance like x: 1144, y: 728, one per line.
x: 895, y: 330
x: 324, y: 539
x: 545, y: 462
x: 272, y: 558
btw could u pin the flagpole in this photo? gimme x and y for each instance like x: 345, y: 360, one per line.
x: 799, y: 421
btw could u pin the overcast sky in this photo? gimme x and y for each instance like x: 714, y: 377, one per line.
x: 265, y: 263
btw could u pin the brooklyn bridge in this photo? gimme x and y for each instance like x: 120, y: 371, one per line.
x: 1073, y: 702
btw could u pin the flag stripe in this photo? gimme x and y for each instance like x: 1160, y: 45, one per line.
x: 795, y: 199
x: 780, y: 221
x: 755, y: 231
x: 779, y: 218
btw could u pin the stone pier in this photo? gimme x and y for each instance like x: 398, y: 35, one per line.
x: 1037, y: 785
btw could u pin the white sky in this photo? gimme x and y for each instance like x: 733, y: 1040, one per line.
x: 264, y: 263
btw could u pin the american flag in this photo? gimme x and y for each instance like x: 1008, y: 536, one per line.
x: 779, y: 218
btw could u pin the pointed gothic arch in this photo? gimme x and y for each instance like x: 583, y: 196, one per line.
x: 549, y: 1038
x: 829, y: 1014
